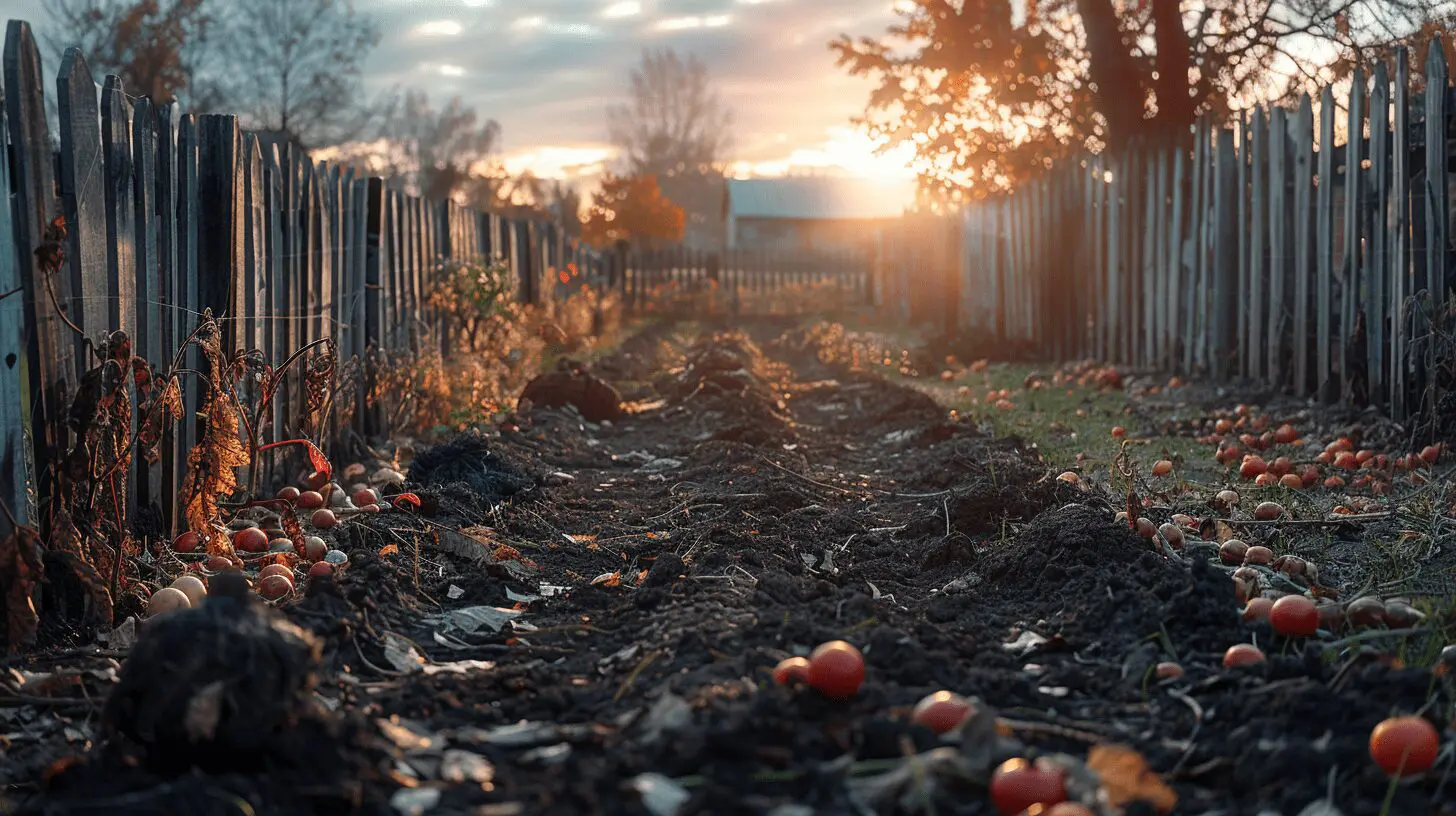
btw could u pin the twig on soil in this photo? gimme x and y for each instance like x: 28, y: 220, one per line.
x: 386, y: 672
x: 1197, y: 727
x: 1325, y: 522
x: 632, y: 678
x: 18, y: 699
x: 1376, y: 634
x: 1051, y: 730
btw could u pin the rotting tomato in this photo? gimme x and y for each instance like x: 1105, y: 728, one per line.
x: 1258, y: 555
x: 250, y: 539
x: 941, y: 711
x: 1285, y: 434
x: 289, y: 493
x: 1119, y: 432
x: 1162, y: 467
x: 1018, y: 784
x: 1404, y: 745
x: 1268, y: 511
x: 836, y: 669
x: 187, y: 542
x: 1294, y: 616
x: 791, y: 670
x: 310, y: 500
x: 1232, y: 552
x: 1258, y: 609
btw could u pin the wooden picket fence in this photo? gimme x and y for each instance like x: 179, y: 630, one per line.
x: 746, y: 281
x: 168, y: 215
x: 1262, y: 250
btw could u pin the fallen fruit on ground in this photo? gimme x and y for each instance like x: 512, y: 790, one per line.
x: 1167, y: 671
x: 310, y: 500
x: 275, y: 587
x: 289, y: 493
x: 276, y: 569
x: 1268, y: 511
x: 319, y: 569
x: 1018, y: 784
x: 167, y: 599
x: 941, y: 711
x: 1162, y: 467
x: 791, y: 670
x: 1404, y: 745
x: 1173, y: 533
x: 1294, y: 616
x: 1252, y: 467
x: 324, y: 518
x: 1069, y: 477
x: 251, y: 540
x: 836, y: 670
x: 192, y: 587
x: 1232, y: 552
x: 1242, y: 654
x: 187, y: 542
x: 1259, y: 555
x: 1119, y: 432
x: 1258, y: 609
x: 314, y: 548
x: 1365, y: 612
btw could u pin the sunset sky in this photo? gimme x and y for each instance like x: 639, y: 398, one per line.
x: 547, y: 69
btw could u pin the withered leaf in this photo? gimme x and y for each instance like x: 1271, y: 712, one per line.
x: 1126, y: 778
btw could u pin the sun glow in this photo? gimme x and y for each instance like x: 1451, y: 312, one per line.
x: 846, y: 151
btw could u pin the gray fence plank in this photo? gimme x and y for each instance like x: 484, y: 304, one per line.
x: 1277, y: 221
x: 15, y: 353
x: 1399, y: 220
x: 1377, y: 271
x: 120, y: 210
x: 1225, y: 270
x: 1349, y: 278
x: 1303, y: 241
x: 83, y: 196
x: 1325, y: 244
x: 150, y: 303
x: 1256, y: 276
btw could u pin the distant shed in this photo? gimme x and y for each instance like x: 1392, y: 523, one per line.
x: 810, y: 212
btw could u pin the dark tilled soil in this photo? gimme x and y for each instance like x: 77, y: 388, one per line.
x: 756, y: 503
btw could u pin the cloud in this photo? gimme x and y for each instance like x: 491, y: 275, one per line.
x: 548, y: 69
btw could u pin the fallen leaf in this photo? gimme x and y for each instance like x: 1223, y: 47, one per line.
x: 389, y: 549
x: 463, y: 766
x: 402, y: 654
x: 1127, y: 778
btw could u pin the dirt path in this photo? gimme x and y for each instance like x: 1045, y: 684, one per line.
x: 756, y: 503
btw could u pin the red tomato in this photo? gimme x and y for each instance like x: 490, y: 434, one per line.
x: 1253, y: 466
x: 320, y: 568
x: 1404, y: 745
x: 791, y: 670
x: 1285, y: 434
x: 1242, y: 654
x: 187, y: 542
x: 941, y: 711
x: 836, y: 669
x: 1162, y: 467
x: 1017, y: 785
x: 1294, y: 616
x: 276, y: 569
x: 289, y: 493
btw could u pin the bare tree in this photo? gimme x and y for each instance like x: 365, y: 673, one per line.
x: 676, y: 127
x: 155, y: 46
x: 437, y: 150
x: 293, y: 67
x: 675, y: 122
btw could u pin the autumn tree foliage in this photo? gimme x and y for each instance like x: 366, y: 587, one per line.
x: 632, y: 209
x: 153, y: 45
x: 989, y: 94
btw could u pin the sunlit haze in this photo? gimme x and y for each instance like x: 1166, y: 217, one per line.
x: 547, y: 69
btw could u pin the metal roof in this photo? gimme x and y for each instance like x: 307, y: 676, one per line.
x: 816, y: 197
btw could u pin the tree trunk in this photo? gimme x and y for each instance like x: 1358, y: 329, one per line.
x: 1174, y: 58
x: 1119, y: 85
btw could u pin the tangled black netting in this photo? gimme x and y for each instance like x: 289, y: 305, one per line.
x: 468, y: 459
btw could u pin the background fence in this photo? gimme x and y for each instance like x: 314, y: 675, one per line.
x: 1264, y: 250
x: 167, y: 215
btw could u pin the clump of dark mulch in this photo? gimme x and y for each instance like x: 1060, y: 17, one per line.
x: 469, y: 458
x: 214, y: 712
x: 595, y: 398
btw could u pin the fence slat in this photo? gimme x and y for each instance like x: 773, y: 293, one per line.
x: 1352, y: 263
x: 1278, y: 219
x: 13, y: 326
x: 1303, y: 241
x: 49, y: 362
x: 1258, y: 309
x: 151, y: 304
x: 1325, y: 243
x: 83, y: 196
x: 1225, y: 270
x: 1399, y: 220
x: 1377, y: 271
